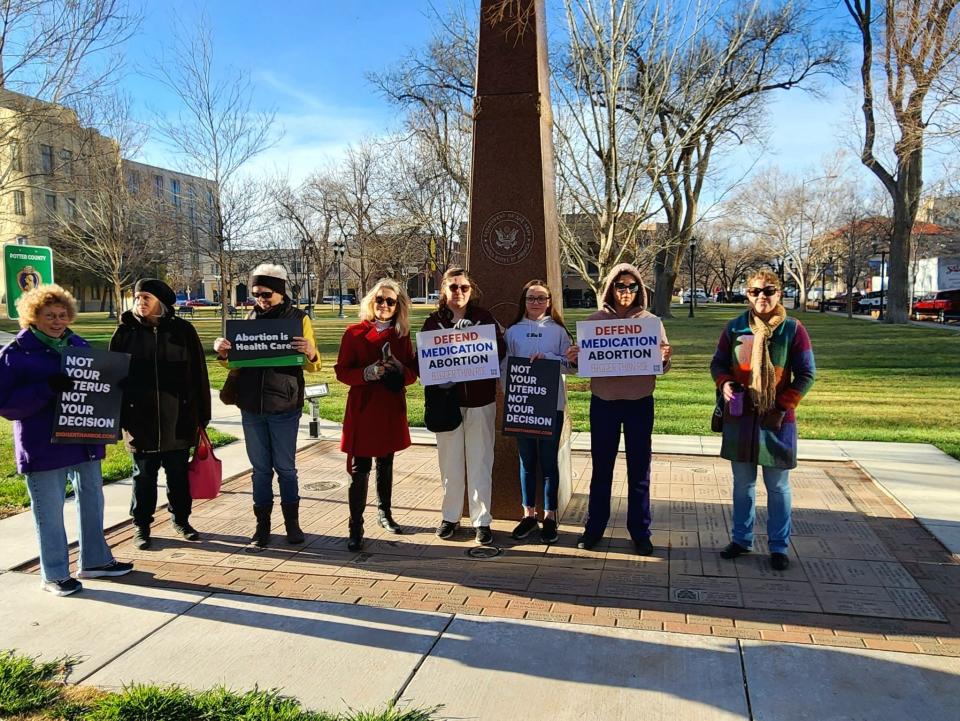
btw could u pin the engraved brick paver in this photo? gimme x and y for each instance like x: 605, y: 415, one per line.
x: 864, y: 573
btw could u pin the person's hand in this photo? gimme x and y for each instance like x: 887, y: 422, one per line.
x: 393, y: 382
x: 394, y: 365
x: 222, y: 346
x: 773, y: 419
x: 60, y: 383
x: 572, y: 353
x: 728, y: 391
x: 666, y: 352
x: 302, y: 345
x: 373, y: 372
x: 536, y: 357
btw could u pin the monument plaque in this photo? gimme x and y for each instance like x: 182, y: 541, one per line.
x: 513, y: 234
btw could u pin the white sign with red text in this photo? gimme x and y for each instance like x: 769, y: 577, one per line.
x: 623, y: 347
x: 455, y: 356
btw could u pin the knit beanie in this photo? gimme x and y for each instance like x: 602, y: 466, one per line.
x: 270, y: 276
x: 157, y: 288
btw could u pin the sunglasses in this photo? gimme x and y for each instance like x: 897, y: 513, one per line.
x: 631, y: 287
x: 263, y: 294
x: 537, y: 299
x: 462, y: 288
x: 389, y: 302
x: 767, y: 291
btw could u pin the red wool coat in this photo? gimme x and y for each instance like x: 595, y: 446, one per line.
x: 375, y: 422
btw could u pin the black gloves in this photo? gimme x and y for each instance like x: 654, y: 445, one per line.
x: 393, y: 379
x: 60, y: 383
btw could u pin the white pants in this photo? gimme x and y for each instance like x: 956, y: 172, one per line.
x: 466, y: 457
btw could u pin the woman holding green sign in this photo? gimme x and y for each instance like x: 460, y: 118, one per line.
x: 270, y: 399
x: 627, y: 402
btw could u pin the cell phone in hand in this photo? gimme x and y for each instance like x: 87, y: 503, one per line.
x: 385, y: 353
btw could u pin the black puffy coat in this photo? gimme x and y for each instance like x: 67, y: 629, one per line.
x: 166, y: 397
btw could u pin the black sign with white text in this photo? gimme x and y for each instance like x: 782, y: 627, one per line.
x: 530, y: 397
x: 90, y: 411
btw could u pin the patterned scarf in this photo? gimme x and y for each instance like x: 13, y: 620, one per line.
x: 763, y: 376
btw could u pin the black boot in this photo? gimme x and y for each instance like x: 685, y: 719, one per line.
x: 261, y: 536
x: 385, y: 494
x: 357, y: 497
x: 291, y: 521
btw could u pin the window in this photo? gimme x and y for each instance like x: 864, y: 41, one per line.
x: 133, y: 182
x: 66, y: 161
x: 175, y: 193
x: 158, y: 183
x: 51, y: 203
x: 46, y: 159
x: 19, y: 202
x: 71, y: 208
x: 16, y: 158
x: 192, y: 207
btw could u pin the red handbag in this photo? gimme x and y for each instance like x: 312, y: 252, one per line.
x: 205, y: 471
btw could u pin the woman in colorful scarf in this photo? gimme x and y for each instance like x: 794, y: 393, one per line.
x: 766, y: 357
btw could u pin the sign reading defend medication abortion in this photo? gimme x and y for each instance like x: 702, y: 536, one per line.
x: 90, y: 411
x: 454, y: 356
x: 263, y: 343
x: 622, y: 347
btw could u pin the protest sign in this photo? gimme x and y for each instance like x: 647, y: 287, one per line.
x: 25, y: 267
x: 622, y: 347
x: 263, y: 343
x: 530, y: 398
x: 454, y: 356
x: 90, y: 411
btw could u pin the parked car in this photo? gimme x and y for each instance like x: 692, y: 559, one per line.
x: 839, y: 303
x: 871, y: 301
x: 335, y: 299
x: 419, y: 300
x: 200, y: 303
x: 943, y: 305
x: 701, y: 297
x: 732, y: 297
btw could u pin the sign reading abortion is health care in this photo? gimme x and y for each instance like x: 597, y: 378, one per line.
x: 263, y: 343
x: 454, y: 356
x: 623, y: 347
x: 530, y: 400
x: 90, y: 411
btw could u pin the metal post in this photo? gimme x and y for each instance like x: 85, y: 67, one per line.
x: 340, y: 283
x: 823, y: 290
x: 306, y: 259
x: 883, y: 258
x: 693, y: 249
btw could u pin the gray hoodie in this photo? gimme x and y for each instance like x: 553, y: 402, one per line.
x: 545, y: 336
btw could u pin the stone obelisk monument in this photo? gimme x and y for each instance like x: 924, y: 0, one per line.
x: 513, y: 234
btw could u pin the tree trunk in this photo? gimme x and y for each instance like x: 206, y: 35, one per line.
x: 118, y: 294
x: 897, y: 268
x: 666, y: 279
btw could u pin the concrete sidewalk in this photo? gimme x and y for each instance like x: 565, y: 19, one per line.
x: 353, y: 657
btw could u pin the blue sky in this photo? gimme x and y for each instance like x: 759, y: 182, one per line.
x: 308, y: 61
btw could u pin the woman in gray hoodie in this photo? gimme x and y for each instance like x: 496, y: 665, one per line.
x: 627, y: 402
x: 538, y: 332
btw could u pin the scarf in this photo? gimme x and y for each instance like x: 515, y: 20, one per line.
x: 274, y: 311
x: 763, y: 376
x: 58, y: 344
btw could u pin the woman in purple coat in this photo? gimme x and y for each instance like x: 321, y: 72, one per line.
x: 30, y: 379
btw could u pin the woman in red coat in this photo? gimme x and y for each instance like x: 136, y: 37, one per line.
x: 377, y: 361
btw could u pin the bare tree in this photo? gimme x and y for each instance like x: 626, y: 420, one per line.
x: 307, y: 215
x: 216, y: 133
x: 728, y: 258
x: 911, y: 47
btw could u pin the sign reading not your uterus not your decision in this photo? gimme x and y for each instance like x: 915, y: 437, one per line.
x: 457, y: 355
x: 263, y: 343
x: 90, y: 411
x: 530, y: 398
x: 622, y: 347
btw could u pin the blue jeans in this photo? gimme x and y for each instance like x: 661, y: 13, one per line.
x: 271, y: 441
x: 47, y: 492
x: 779, y: 499
x: 547, y: 450
x: 606, y: 418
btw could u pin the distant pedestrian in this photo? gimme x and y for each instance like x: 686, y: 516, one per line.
x: 766, y: 356
x: 271, y: 403
x: 627, y: 402
x: 166, y: 400
x: 376, y: 361
x: 538, y: 332
x: 466, y: 452
x: 30, y: 379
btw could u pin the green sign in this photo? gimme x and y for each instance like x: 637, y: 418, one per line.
x: 25, y: 267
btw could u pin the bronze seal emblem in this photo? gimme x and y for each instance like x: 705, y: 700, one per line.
x: 506, y: 237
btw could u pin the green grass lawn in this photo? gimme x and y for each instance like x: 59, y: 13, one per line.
x: 874, y: 382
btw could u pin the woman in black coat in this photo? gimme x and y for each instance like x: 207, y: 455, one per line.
x: 166, y: 399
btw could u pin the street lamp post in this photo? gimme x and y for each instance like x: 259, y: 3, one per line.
x: 339, y: 250
x: 693, y: 250
x: 823, y: 285
x: 883, y: 259
x: 306, y: 262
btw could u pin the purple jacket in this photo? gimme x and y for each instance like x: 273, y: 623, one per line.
x: 27, y: 400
